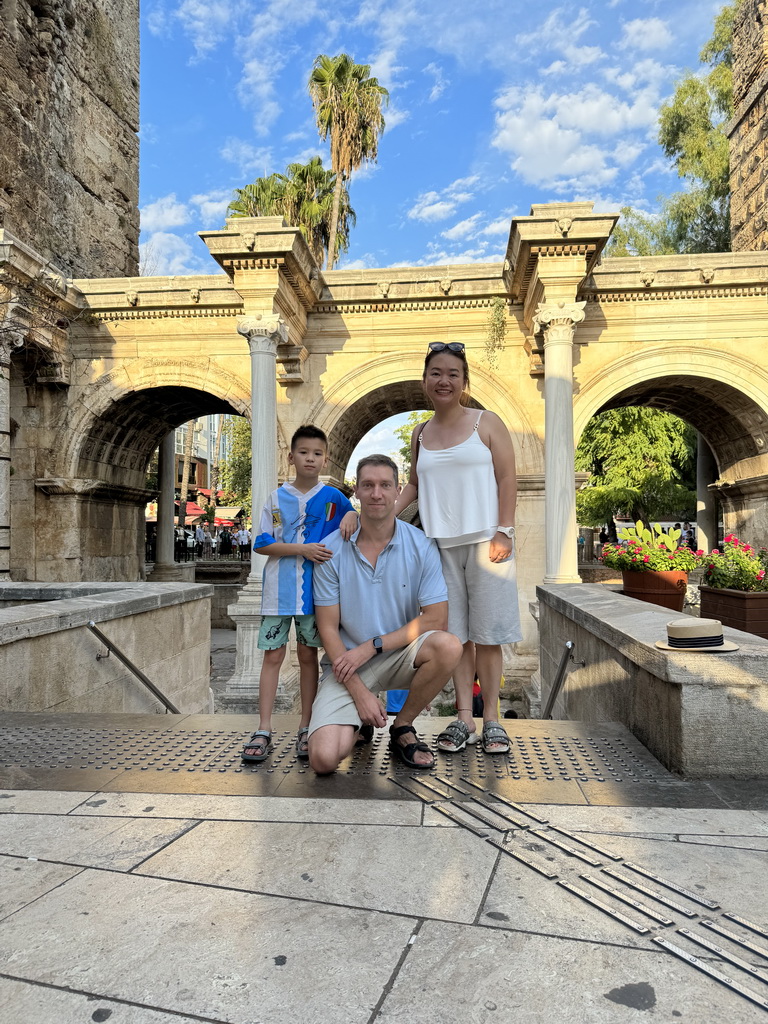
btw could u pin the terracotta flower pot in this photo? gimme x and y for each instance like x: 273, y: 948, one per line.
x: 663, y: 587
x: 740, y: 609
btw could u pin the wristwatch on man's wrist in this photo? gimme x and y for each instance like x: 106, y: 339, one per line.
x: 508, y: 531
x: 378, y: 645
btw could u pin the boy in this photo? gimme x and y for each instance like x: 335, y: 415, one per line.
x: 295, y: 519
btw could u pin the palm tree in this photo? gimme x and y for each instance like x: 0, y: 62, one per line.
x: 303, y: 196
x: 347, y: 104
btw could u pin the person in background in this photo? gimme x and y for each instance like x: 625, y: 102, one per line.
x: 463, y: 471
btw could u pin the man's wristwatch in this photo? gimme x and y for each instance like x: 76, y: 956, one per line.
x: 378, y: 645
x: 508, y: 531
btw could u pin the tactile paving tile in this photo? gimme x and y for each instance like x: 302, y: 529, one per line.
x: 569, y: 756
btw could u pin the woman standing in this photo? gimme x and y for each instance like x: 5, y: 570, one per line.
x: 463, y: 470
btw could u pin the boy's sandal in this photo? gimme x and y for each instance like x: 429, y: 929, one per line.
x: 258, y: 746
x: 405, y: 751
x: 495, y: 737
x: 302, y: 743
x: 454, y: 737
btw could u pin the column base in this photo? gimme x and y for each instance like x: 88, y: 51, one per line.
x: 241, y: 692
x: 171, y: 572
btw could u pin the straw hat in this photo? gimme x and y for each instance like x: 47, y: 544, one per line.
x: 691, y: 634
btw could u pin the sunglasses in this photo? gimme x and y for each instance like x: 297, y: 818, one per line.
x: 452, y: 346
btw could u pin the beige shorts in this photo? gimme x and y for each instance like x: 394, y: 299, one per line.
x: 392, y: 670
x: 482, y: 595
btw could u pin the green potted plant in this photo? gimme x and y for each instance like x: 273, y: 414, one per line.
x: 734, y: 588
x: 654, y: 567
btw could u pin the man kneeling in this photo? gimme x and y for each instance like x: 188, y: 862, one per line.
x: 381, y: 607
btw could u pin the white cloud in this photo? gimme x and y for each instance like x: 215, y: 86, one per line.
x: 560, y: 33
x: 206, y: 22
x: 464, y: 229
x: 497, y: 227
x: 394, y: 116
x: 212, y: 206
x: 646, y: 34
x: 247, y: 158
x: 440, y: 84
x: 165, y: 254
x: 429, y: 207
x: 166, y: 212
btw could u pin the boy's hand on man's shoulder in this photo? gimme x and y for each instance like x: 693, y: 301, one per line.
x: 348, y: 525
x: 316, y: 553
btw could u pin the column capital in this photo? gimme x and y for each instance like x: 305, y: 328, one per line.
x: 9, y: 340
x: 560, y: 314
x: 264, y: 333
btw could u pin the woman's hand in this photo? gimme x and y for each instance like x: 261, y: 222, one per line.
x: 501, y: 548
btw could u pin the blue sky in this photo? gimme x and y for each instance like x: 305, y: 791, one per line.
x: 489, y: 112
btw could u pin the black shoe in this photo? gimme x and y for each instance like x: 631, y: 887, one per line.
x: 364, y: 735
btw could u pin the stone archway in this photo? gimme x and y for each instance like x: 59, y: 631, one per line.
x: 724, y: 398
x: 90, y: 488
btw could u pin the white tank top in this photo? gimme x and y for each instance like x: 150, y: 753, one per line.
x: 458, y: 494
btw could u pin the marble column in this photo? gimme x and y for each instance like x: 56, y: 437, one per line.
x: 706, y: 499
x: 166, y: 567
x: 558, y: 322
x: 264, y: 334
x: 9, y: 340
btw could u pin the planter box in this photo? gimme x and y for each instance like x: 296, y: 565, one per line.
x: 662, y: 587
x: 740, y: 609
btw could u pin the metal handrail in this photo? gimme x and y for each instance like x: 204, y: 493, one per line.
x: 559, y: 678
x: 169, y: 706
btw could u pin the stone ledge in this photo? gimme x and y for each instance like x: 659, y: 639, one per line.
x: 28, y: 610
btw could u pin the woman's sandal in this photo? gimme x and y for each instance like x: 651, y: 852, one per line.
x: 456, y: 737
x: 405, y: 751
x: 258, y: 746
x: 495, y: 736
x: 302, y: 743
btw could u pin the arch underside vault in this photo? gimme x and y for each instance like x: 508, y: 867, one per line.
x: 120, y: 441
x: 732, y: 423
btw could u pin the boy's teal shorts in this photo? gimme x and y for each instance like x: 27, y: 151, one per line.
x: 275, y: 630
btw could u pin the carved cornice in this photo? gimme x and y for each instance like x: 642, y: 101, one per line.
x: 673, y: 294
x: 165, y: 313
x: 10, y: 340
x: 402, y: 305
x: 82, y: 487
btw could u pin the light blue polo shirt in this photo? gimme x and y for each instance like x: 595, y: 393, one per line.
x: 407, y: 578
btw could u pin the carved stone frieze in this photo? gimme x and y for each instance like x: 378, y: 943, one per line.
x: 10, y: 340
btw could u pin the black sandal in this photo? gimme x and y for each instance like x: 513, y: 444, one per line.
x: 405, y: 751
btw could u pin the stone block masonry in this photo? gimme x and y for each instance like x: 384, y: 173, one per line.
x: 69, y: 114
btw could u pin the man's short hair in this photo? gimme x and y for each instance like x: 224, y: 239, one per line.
x: 378, y: 460
x: 311, y: 432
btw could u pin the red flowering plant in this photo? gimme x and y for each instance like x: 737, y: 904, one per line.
x: 644, y: 550
x: 736, y: 566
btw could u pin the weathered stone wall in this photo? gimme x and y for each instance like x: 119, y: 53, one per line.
x: 748, y: 129
x: 69, y: 113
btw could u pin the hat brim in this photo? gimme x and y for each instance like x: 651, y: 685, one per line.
x: 725, y: 646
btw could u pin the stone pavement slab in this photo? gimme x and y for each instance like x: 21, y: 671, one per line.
x: 24, y: 1003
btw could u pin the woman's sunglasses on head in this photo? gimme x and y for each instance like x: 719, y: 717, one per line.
x: 441, y: 346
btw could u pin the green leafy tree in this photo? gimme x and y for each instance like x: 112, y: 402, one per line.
x: 348, y: 104
x: 691, y: 133
x: 304, y: 197
x: 642, y: 464
x: 236, y: 466
x: 404, y: 434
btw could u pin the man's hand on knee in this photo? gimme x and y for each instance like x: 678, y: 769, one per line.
x: 370, y: 709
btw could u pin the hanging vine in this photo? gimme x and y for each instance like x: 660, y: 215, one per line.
x: 496, y: 331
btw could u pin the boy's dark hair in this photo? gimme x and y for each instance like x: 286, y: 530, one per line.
x: 309, y: 430
x: 378, y: 460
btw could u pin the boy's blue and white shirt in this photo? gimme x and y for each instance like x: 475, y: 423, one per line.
x: 291, y: 517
